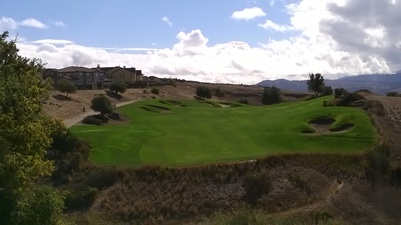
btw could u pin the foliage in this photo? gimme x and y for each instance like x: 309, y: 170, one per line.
x: 155, y: 91
x: 340, y: 92
x: 92, y: 120
x: 118, y: 87
x: 244, y: 101
x: 80, y: 198
x: 327, y: 90
x: 316, y: 83
x: 271, y: 95
x: 255, y: 186
x: 101, y: 104
x: 38, y: 206
x: 203, y: 92
x: 392, y: 94
x: 67, y: 87
x: 219, y: 93
x: 25, y: 132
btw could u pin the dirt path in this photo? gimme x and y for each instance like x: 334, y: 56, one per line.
x: 71, y: 122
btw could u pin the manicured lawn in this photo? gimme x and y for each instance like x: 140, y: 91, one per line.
x: 193, y: 132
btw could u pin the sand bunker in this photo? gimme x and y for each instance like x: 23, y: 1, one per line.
x: 324, y: 126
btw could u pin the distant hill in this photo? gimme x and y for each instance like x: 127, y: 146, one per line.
x: 378, y: 83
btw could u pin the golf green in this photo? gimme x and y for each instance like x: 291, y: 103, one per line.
x: 187, y: 132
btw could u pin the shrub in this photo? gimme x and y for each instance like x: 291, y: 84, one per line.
x: 80, y: 197
x: 271, y: 95
x: 92, y: 121
x: 203, y: 92
x: 392, y: 94
x: 101, y: 104
x: 39, y: 205
x: 102, y: 178
x: 118, y: 87
x: 244, y: 101
x: 155, y: 91
x: 255, y: 186
x: 67, y: 87
x: 219, y: 93
x: 340, y: 92
x: 327, y: 90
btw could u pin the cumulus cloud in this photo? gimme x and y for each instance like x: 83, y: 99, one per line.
x: 57, y: 23
x: 167, y: 21
x: 271, y: 25
x: 31, y: 22
x: 248, y: 14
x: 335, y: 38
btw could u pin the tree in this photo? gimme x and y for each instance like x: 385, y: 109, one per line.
x: 101, y: 104
x: 117, y: 87
x: 219, y: 93
x: 25, y: 131
x: 67, y: 87
x: 316, y: 83
x: 327, y: 90
x: 271, y: 95
x: 204, y: 92
x: 338, y: 92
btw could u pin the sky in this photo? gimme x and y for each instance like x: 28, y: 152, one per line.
x: 223, y: 41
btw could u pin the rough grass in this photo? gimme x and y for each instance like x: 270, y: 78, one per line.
x: 198, y: 133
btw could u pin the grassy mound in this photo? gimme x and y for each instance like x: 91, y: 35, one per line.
x: 198, y: 133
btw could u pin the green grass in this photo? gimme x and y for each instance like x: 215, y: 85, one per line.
x: 200, y: 133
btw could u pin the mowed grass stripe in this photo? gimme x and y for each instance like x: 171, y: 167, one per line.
x: 199, y: 133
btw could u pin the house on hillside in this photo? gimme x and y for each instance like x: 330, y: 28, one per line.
x: 83, y: 77
x: 122, y: 74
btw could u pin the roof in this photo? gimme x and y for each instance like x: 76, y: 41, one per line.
x: 73, y: 69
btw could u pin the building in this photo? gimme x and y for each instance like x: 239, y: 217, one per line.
x: 83, y: 77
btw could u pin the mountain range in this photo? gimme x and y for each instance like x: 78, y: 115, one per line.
x: 377, y: 83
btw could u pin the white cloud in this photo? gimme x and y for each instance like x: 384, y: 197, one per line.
x: 333, y: 39
x: 167, y: 21
x: 33, y: 23
x: 52, y: 41
x: 248, y: 14
x: 57, y: 23
x: 271, y: 25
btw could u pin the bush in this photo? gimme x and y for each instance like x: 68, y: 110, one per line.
x: 392, y: 94
x: 67, y: 87
x: 118, y: 87
x: 203, y: 92
x: 219, y: 93
x: 92, y: 121
x: 39, y: 205
x: 271, y: 95
x: 327, y: 90
x: 155, y: 91
x: 255, y: 186
x: 244, y: 101
x: 80, y: 198
x: 101, y: 104
x: 340, y: 92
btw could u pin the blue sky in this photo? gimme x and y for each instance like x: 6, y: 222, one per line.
x: 233, y: 41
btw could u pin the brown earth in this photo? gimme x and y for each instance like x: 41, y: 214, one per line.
x: 299, y: 186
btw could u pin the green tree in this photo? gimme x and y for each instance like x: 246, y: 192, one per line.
x: 67, y: 87
x: 118, y: 87
x: 271, y: 95
x: 327, y: 90
x: 204, y: 92
x: 316, y: 83
x: 219, y: 93
x: 340, y: 92
x: 25, y: 131
x: 101, y: 104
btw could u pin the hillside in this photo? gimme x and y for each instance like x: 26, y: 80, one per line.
x: 377, y: 83
x: 300, y: 187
